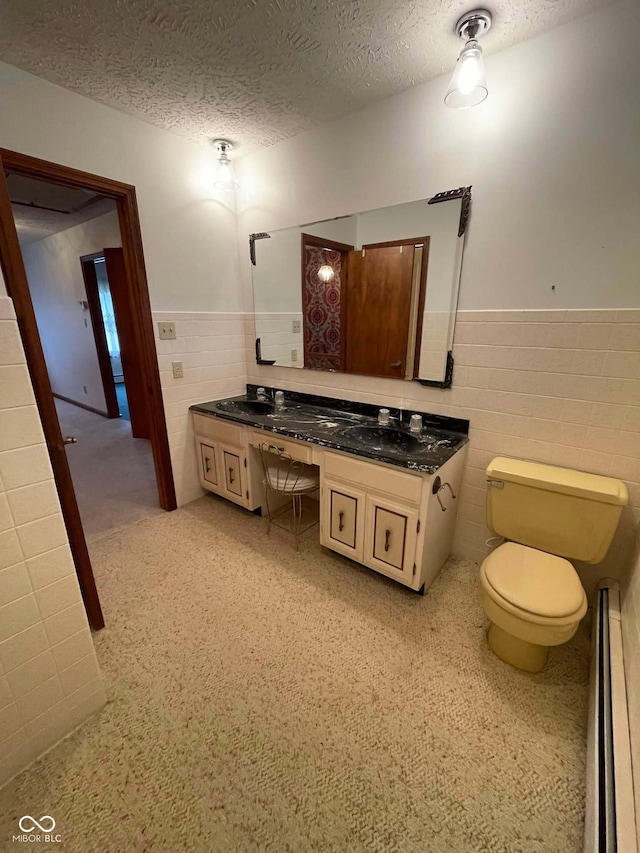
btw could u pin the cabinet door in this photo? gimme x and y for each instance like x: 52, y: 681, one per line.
x: 390, y: 538
x: 342, y: 522
x: 234, y: 465
x: 208, y: 465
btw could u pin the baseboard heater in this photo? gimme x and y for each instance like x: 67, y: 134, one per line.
x: 610, y: 825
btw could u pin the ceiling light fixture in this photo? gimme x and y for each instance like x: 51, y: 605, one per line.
x: 225, y: 176
x: 326, y: 273
x: 468, y: 86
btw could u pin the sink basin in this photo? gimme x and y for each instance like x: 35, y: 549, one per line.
x: 246, y: 407
x: 382, y: 438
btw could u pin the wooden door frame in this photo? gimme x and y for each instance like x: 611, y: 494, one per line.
x: 97, y: 321
x: 344, y: 249
x: 18, y: 289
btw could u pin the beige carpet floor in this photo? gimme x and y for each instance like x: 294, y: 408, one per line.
x: 263, y: 700
x: 112, y: 472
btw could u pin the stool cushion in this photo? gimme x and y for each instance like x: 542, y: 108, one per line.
x: 292, y: 481
x: 534, y: 581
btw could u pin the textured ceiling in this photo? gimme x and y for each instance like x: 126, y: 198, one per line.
x: 256, y: 71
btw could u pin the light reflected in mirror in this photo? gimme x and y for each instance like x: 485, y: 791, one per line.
x: 374, y: 293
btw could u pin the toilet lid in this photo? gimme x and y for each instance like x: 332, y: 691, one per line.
x: 534, y: 581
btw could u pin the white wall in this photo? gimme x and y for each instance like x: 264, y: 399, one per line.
x: 188, y: 229
x: 56, y: 286
x: 552, y: 157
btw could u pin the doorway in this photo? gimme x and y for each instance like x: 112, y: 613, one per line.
x: 136, y: 308
x: 384, y: 302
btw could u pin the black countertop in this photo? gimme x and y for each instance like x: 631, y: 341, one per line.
x: 348, y: 426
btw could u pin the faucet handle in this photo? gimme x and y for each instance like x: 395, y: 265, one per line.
x: 260, y: 393
x: 415, y: 424
x: 383, y: 417
x: 279, y: 398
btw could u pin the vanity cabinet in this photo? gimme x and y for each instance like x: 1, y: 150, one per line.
x: 370, y: 513
x: 223, y: 462
x: 393, y: 520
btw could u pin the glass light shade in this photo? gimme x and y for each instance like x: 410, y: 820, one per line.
x: 326, y: 273
x: 225, y: 176
x: 468, y: 86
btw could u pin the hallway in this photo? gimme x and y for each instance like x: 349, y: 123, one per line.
x: 113, y: 473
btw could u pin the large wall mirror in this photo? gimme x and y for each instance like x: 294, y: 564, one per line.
x: 374, y: 293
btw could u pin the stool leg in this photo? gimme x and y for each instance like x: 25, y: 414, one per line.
x: 266, y: 500
x: 297, y: 518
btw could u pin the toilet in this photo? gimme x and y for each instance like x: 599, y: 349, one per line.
x: 530, y: 591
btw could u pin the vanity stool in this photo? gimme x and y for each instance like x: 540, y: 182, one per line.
x: 285, y: 478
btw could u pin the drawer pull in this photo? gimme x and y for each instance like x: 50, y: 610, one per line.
x: 340, y: 521
x: 387, y: 540
x: 207, y: 466
x: 230, y: 475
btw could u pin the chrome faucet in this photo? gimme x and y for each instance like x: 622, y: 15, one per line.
x: 415, y: 425
x: 261, y: 394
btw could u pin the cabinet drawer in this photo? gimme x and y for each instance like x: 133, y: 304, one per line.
x: 379, y: 478
x: 219, y: 430
x: 295, y: 449
x: 342, y: 526
x: 233, y: 472
x: 209, y: 468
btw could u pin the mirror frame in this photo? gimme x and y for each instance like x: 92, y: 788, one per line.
x: 463, y: 193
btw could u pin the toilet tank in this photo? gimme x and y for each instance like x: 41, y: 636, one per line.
x: 569, y: 513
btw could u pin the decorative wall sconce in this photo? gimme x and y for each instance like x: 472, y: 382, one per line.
x: 225, y: 176
x: 326, y: 273
x: 468, y: 86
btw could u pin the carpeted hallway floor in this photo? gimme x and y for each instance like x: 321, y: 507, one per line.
x: 263, y: 700
x: 113, y: 474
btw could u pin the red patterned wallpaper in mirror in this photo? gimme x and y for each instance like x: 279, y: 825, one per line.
x: 321, y: 310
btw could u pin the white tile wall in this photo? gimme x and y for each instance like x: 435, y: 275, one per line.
x: 277, y: 338
x: 46, y: 651
x: 211, y: 347
x: 553, y: 386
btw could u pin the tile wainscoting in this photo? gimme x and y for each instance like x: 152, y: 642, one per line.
x: 49, y: 677
x: 211, y: 347
x: 278, y: 340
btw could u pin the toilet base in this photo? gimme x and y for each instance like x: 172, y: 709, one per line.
x: 512, y: 650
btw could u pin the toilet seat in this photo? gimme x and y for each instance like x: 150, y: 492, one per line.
x: 534, y: 585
